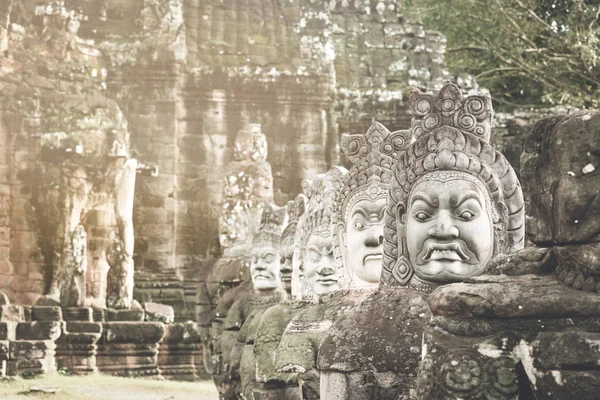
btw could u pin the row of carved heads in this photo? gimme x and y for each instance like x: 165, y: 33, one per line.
x: 441, y: 181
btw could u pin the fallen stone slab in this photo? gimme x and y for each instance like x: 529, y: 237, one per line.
x: 159, y: 312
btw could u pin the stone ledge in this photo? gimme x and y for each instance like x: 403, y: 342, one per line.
x: 513, y: 297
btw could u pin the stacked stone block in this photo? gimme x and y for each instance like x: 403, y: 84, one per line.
x: 130, y: 348
x: 180, y: 351
x: 77, y: 346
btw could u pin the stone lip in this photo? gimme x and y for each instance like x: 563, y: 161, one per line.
x: 503, y: 296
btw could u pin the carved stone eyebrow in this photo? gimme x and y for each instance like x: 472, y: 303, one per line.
x: 359, y: 210
x: 469, y: 194
x: 325, y: 251
x: 424, y: 198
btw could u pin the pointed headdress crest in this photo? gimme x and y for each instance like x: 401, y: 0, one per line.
x: 372, y: 156
x: 272, y: 221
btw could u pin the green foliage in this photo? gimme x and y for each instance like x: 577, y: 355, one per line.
x: 526, y: 52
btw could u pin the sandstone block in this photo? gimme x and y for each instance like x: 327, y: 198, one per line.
x: 31, y: 350
x: 46, y: 313
x: 124, y: 315
x: 560, y: 179
x: 12, y: 313
x: 572, y: 350
x: 512, y: 297
x: 133, y: 332
x: 78, y: 314
x: 159, y: 312
x: 39, y: 330
x: 83, y: 327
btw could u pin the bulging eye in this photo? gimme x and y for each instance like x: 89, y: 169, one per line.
x: 467, y: 215
x: 269, y: 259
x: 359, y: 226
x: 421, y: 216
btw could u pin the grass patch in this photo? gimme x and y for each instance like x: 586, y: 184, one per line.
x: 100, y: 387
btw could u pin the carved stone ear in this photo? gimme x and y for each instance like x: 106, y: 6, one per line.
x: 402, y: 270
x: 341, y: 232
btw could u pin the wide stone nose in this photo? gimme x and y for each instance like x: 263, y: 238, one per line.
x: 326, y: 271
x: 374, y: 237
x: 443, y: 227
x: 286, y: 267
x: 260, y: 265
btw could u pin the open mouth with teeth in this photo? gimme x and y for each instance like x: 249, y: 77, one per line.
x: 262, y: 277
x: 286, y: 278
x: 445, y: 251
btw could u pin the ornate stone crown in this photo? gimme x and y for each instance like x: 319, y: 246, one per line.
x: 272, y: 220
x: 451, y: 134
x: 322, y: 194
x: 472, y: 114
x: 372, y: 156
x: 295, y: 210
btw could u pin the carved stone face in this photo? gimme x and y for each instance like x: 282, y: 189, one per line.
x: 362, y: 242
x: 450, y: 234
x: 262, y: 186
x: 72, y: 26
x: 264, y: 268
x: 285, y: 270
x: 320, y: 270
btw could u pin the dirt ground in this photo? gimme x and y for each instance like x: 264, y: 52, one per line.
x: 105, y: 388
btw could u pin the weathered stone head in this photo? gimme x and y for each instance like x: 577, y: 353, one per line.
x: 295, y: 210
x: 454, y: 202
x: 250, y: 144
x: 265, y: 256
x: 358, y: 219
x: 320, y: 272
x: 248, y: 184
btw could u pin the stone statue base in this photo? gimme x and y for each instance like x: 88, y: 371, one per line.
x: 373, y: 352
x: 510, y: 337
